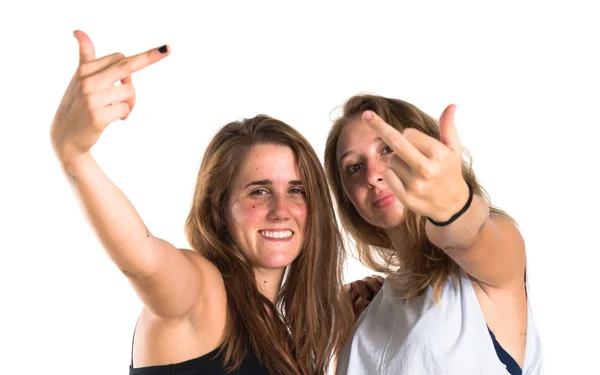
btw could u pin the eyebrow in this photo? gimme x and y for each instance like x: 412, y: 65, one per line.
x: 346, y: 154
x: 269, y: 182
x: 376, y: 139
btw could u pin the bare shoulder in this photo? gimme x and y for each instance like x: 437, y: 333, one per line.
x: 506, y: 264
x: 213, y: 297
x: 200, y: 261
x: 496, y: 259
x: 164, y: 339
x: 514, y: 251
x: 210, y: 274
x: 507, y: 227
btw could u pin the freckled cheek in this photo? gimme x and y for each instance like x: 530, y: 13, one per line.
x: 300, y: 212
x: 244, y: 213
x: 357, y: 194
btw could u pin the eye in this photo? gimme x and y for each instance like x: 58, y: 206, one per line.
x: 297, y: 191
x: 387, y: 150
x: 353, y: 168
x: 259, y: 192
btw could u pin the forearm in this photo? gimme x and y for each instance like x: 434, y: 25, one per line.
x: 463, y: 232
x: 114, y: 219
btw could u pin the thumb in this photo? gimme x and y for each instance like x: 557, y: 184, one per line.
x: 86, y: 47
x: 448, y: 129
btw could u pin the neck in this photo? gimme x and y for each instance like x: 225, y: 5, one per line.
x: 269, y: 281
x: 398, y: 237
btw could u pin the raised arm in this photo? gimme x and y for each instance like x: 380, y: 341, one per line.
x: 425, y: 174
x: 167, y: 280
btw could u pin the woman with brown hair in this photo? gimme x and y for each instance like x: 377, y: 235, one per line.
x: 455, y: 301
x: 261, y: 291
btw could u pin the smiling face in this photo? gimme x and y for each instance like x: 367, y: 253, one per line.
x: 362, y: 157
x: 266, y: 209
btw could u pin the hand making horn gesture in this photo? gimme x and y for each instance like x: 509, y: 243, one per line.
x: 92, y: 100
x: 425, y: 174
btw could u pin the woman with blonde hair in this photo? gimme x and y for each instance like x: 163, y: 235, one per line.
x: 455, y: 301
x: 261, y: 289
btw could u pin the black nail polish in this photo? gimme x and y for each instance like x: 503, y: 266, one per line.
x: 163, y: 49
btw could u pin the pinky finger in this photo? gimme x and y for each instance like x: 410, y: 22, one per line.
x: 113, y: 95
x: 112, y: 113
x: 131, y: 101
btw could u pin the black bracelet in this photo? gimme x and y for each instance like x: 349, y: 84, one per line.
x: 459, y: 213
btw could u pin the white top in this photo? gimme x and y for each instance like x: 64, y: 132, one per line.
x: 395, y: 336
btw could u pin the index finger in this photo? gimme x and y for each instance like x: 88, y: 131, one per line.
x: 125, y: 67
x: 394, y: 138
x: 144, y: 59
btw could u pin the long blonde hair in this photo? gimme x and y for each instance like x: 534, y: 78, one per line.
x: 422, y: 264
x: 311, y: 317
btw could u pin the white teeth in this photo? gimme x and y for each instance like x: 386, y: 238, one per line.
x: 276, y: 234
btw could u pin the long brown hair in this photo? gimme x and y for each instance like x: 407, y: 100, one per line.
x: 422, y: 264
x: 312, y: 317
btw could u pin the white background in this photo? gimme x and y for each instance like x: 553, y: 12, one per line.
x: 524, y: 75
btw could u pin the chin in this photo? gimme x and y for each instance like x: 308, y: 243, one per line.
x: 279, y: 260
x: 389, y: 220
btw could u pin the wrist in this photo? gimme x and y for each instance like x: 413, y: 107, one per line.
x: 463, y: 231
x: 73, y: 163
x: 69, y: 159
x: 460, y: 209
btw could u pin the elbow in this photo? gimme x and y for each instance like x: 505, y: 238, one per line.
x: 139, y: 264
x: 135, y: 275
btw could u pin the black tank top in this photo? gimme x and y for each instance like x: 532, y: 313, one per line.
x: 208, y: 364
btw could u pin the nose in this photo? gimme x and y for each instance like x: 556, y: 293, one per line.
x: 279, y: 209
x: 374, y: 173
